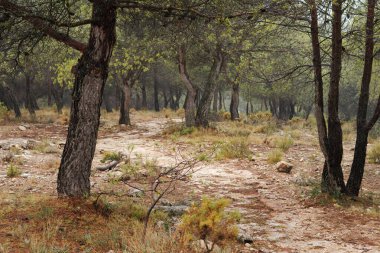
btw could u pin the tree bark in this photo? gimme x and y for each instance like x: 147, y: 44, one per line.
x: 362, y: 128
x: 335, y: 147
x: 28, y: 95
x: 234, y: 106
x: 49, y: 84
x: 9, y: 99
x: 201, y: 118
x: 190, y: 105
x: 330, y: 139
x: 215, y: 101
x: 220, y: 100
x: 155, y: 87
x: 125, y: 104
x: 107, y: 103
x: 57, y: 92
x: 90, y: 77
x: 144, y: 103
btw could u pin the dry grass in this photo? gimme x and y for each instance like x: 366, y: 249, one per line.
x: 44, y: 224
x: 275, y: 156
x: 374, y: 153
x: 13, y: 171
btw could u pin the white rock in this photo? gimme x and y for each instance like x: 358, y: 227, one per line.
x: 22, y: 128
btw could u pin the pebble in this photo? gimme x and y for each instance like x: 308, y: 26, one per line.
x: 22, y: 128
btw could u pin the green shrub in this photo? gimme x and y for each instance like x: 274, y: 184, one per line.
x: 374, y: 154
x: 111, y: 156
x: 178, y: 130
x: 209, y: 222
x: 13, y: 171
x: 275, y: 156
x: 234, y: 149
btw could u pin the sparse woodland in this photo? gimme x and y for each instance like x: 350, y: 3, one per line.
x: 189, y: 126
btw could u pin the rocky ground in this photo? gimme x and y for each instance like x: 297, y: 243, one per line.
x: 278, y: 211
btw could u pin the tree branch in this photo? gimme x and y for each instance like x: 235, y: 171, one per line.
x: 42, y: 24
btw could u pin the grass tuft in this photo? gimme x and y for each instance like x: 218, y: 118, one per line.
x: 275, y: 156
x: 13, y: 171
x: 374, y: 154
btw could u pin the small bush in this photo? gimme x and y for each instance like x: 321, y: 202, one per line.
x: 104, y: 207
x: 260, y: 117
x: 4, y: 112
x: 275, y: 156
x: 13, y: 171
x: 180, y: 113
x: 374, y: 154
x: 224, y: 115
x: 111, y: 156
x: 283, y: 143
x: 46, y: 148
x: 209, y: 222
x: 234, y: 149
x: 45, y: 212
x: 267, y: 128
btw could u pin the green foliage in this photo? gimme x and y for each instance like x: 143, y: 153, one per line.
x: 186, y: 131
x: 13, y: 171
x: 111, y: 156
x: 236, y: 148
x: 374, y: 154
x: 275, y: 156
x: 64, y: 73
x: 137, y: 212
x: 209, y: 222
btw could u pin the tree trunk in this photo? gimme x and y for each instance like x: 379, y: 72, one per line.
x: 125, y: 104
x: 215, y: 101
x: 201, y: 118
x: 190, y: 109
x: 155, y: 86
x: 330, y: 140
x: 166, y: 99
x: 234, y: 106
x: 90, y: 77
x: 107, y: 103
x: 144, y: 103
x: 335, y: 147
x: 7, y: 96
x: 220, y: 100
x: 190, y: 104
x: 57, y: 93
x: 362, y: 128
x: 28, y: 95
x: 177, y: 99
x: 49, y: 84
x: 117, y: 96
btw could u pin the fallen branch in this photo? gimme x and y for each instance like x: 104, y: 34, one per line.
x: 109, y: 166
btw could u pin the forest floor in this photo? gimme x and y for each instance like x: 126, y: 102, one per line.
x: 281, y: 212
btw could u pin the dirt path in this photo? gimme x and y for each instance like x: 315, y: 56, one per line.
x: 273, y: 212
